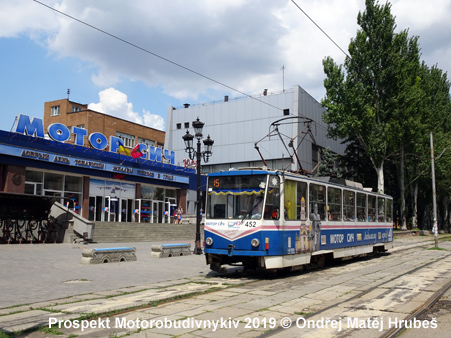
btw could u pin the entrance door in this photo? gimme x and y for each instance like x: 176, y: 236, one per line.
x: 171, y: 206
x: 155, y: 214
x: 92, y: 208
x: 144, y: 211
x: 137, y: 211
x: 112, y: 209
x: 160, y: 212
x: 95, y: 208
x: 124, y: 210
x: 131, y: 211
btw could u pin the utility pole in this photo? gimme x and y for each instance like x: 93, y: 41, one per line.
x: 434, y: 201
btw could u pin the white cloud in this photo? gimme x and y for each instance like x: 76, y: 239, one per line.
x: 21, y: 17
x: 240, y: 43
x: 229, y: 41
x: 152, y: 120
x: 115, y: 103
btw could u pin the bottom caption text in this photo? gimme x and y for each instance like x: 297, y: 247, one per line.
x: 248, y: 323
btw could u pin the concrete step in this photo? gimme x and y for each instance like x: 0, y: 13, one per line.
x: 109, y: 232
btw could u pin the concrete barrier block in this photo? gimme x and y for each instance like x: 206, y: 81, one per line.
x: 170, y: 250
x: 108, y: 255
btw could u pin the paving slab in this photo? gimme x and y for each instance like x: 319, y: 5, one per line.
x: 259, y: 298
x: 21, y: 321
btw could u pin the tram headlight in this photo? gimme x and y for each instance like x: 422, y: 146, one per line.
x: 255, y: 242
x: 209, y: 241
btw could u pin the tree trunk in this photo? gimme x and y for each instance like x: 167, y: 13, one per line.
x: 415, y: 206
x: 380, y: 177
x: 401, y: 191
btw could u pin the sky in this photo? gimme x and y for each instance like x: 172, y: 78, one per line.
x: 134, y: 59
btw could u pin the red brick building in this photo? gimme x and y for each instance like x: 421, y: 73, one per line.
x: 73, y: 114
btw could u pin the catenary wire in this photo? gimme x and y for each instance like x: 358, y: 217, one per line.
x: 154, y: 54
x: 319, y: 28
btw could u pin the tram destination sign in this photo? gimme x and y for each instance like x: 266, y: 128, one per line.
x: 60, y: 133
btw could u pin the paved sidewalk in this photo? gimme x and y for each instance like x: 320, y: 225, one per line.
x: 33, y: 273
x: 50, y: 278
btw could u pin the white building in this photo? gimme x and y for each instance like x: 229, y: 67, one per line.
x: 236, y: 125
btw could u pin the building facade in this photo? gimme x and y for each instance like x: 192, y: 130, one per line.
x: 61, y: 156
x: 77, y: 115
x: 236, y: 126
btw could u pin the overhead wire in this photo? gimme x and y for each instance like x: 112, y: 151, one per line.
x: 322, y: 30
x: 155, y: 55
x: 175, y: 63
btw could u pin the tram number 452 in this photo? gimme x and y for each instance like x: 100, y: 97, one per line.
x: 250, y: 224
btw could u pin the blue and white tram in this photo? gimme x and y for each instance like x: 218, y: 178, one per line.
x: 267, y: 219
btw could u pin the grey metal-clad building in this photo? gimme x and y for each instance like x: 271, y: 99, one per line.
x: 236, y: 124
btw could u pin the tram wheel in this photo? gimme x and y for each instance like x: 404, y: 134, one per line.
x: 321, y: 260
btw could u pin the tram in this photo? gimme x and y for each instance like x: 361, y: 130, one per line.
x: 272, y: 220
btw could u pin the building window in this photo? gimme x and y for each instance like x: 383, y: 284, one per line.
x: 129, y: 140
x: 75, y: 109
x: 34, y: 182
x: 315, y: 156
x: 186, y: 125
x: 68, y: 188
x: 179, y: 126
x: 286, y: 112
x: 55, y: 111
x: 148, y: 143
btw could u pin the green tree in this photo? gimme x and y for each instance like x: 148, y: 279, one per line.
x: 329, y: 164
x: 365, y: 94
x: 405, y: 123
x: 435, y: 116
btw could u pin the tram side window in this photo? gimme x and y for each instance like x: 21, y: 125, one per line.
x: 317, y: 200
x: 371, y: 208
x: 389, y: 210
x: 290, y: 199
x: 381, y: 209
x: 301, y: 200
x: 219, y: 207
x: 333, y: 204
x: 294, y: 192
x: 272, y: 207
x: 361, y: 207
x: 349, y: 205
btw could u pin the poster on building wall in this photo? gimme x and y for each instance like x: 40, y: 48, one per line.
x: 111, y: 188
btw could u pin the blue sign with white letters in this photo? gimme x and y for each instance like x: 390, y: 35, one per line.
x: 60, y: 133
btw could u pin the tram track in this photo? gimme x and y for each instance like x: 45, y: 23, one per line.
x: 337, y: 291
x: 428, y: 305
x: 390, y: 333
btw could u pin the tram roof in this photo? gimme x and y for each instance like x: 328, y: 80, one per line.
x: 326, y: 179
x: 243, y: 171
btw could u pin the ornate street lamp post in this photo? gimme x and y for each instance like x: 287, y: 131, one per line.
x: 198, y: 155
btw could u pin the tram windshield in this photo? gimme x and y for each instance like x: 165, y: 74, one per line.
x: 236, y: 197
